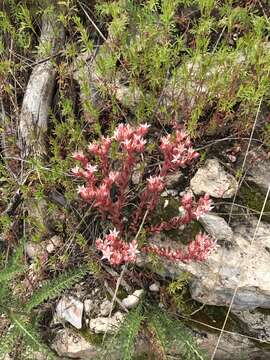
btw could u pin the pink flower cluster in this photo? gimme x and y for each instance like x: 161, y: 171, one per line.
x: 115, y: 250
x: 197, y: 250
x: 131, y: 143
x: 192, y: 210
x: 177, y: 151
x: 113, y: 173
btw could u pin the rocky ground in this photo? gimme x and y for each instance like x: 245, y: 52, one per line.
x: 235, y: 276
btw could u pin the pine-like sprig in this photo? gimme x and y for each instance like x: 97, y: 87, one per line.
x: 124, y: 341
x: 173, y: 336
x: 53, y: 288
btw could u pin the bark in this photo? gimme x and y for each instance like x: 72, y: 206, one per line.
x: 39, y: 91
x: 33, y: 121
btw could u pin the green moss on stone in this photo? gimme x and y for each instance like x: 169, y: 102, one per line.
x: 171, y: 210
x: 254, y: 200
x: 92, y: 338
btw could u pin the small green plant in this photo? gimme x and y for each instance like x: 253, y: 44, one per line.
x: 22, y: 319
x: 163, y: 334
x: 177, y: 289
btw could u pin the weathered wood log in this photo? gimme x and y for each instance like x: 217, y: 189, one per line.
x: 39, y: 91
x: 33, y: 121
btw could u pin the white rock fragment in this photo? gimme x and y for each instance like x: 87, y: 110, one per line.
x: 212, y: 179
x: 70, y: 310
x: 169, y: 192
x: 105, y: 324
x: 217, y: 227
x: 88, y: 306
x: 53, y: 243
x: 105, y: 308
x: 154, y: 287
x: 7, y: 357
x: 33, y: 250
x: 132, y: 300
x: 69, y: 344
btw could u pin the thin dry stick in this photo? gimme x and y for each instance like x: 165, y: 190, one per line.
x: 241, y: 274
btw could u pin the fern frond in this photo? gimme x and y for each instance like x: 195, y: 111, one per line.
x: 53, y: 288
x: 124, y: 340
x: 128, y: 332
x: 173, y: 334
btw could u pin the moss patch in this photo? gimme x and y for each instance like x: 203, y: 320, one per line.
x: 252, y: 198
x: 92, y: 338
x: 171, y: 210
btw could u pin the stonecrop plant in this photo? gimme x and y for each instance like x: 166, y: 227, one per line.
x: 107, y: 170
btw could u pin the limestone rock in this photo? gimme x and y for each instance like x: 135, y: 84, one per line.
x: 212, y: 179
x: 155, y: 287
x: 88, y: 306
x: 102, y: 324
x: 70, y: 309
x: 33, y: 250
x: 132, y: 300
x: 105, y: 307
x: 258, y: 171
x: 232, y: 347
x: 243, y: 265
x: 217, y: 227
x: 53, y: 243
x: 254, y: 323
x: 70, y: 344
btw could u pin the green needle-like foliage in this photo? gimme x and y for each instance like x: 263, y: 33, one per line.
x: 124, y: 341
x: 53, y: 288
x: 173, y: 336
x: 18, y: 313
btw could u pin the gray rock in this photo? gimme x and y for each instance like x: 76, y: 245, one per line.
x: 212, y: 179
x: 70, y: 310
x: 173, y: 179
x: 110, y: 325
x: 232, y: 347
x: 244, y: 266
x: 132, y: 300
x: 258, y: 171
x: 155, y: 287
x: 105, y: 307
x: 34, y: 250
x: 53, y: 243
x: 88, y: 306
x: 217, y: 227
x: 254, y: 323
x: 70, y: 344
